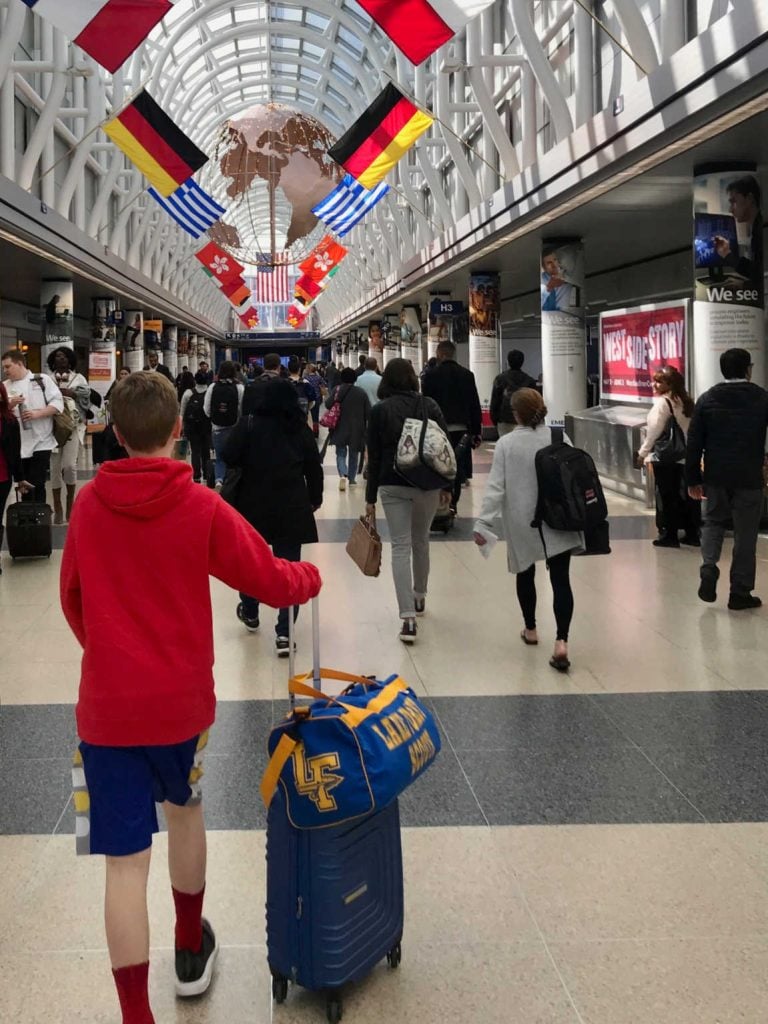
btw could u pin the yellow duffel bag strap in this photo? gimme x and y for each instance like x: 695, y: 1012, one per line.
x: 277, y: 762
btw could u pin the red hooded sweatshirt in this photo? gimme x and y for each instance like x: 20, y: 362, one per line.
x: 141, y: 544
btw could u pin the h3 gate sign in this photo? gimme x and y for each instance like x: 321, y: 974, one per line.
x: 635, y: 343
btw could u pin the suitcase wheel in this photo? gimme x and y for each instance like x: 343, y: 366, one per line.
x: 334, y: 1008
x: 394, y: 956
x: 279, y: 988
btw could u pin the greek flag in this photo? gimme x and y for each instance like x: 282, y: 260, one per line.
x: 191, y: 207
x: 348, y: 204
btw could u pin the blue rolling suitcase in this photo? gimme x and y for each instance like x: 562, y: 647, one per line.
x: 334, y: 896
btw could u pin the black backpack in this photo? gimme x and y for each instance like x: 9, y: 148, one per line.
x: 224, y: 403
x: 570, y: 493
x: 195, y: 420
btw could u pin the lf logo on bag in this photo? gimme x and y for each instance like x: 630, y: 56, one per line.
x: 314, y: 778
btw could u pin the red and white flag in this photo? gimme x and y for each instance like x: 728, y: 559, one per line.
x: 109, y: 30
x: 271, y: 283
x: 419, y: 27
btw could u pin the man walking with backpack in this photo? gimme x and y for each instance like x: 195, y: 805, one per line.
x: 727, y: 433
x: 223, y: 404
x: 504, y: 387
x: 197, y: 427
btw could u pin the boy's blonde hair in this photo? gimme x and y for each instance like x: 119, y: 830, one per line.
x: 144, y: 408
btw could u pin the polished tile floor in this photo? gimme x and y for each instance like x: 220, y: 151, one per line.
x: 588, y: 849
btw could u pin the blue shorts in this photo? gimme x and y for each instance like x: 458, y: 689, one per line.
x: 116, y: 789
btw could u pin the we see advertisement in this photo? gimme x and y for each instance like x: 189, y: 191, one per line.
x: 635, y: 343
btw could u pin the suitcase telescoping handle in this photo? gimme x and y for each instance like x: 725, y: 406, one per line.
x: 315, y: 646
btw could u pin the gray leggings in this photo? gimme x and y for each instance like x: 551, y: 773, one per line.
x: 409, y: 513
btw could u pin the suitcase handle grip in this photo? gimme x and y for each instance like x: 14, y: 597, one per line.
x: 316, y: 671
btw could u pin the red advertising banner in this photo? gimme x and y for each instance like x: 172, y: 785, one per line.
x: 634, y: 343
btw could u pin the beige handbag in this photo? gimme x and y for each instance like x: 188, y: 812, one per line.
x: 364, y: 547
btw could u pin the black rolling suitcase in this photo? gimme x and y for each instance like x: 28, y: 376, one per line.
x: 28, y: 530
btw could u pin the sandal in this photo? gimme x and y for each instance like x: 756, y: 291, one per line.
x: 560, y: 662
x: 529, y: 643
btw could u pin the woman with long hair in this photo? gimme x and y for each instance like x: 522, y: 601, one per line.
x: 10, y: 455
x: 511, y: 495
x: 671, y: 410
x: 280, y: 488
x: 62, y: 367
x: 409, y: 511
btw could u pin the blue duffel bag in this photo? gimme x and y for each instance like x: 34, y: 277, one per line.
x: 343, y: 757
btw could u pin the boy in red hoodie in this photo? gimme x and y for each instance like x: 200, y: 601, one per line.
x: 142, y: 542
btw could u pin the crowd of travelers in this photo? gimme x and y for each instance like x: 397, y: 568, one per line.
x: 238, y: 423
x: 146, y: 697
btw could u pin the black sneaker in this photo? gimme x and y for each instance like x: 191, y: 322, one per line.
x: 666, y: 542
x: 194, y: 971
x: 408, y: 632
x: 283, y: 646
x: 420, y: 605
x: 250, y: 624
x: 741, y: 602
x: 708, y: 589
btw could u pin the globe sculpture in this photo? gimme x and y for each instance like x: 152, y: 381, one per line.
x: 275, y: 163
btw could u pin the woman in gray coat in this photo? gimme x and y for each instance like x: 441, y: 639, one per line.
x: 349, y: 436
x: 511, y: 495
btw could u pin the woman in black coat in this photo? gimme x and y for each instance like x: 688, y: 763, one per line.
x: 349, y: 436
x: 280, y: 488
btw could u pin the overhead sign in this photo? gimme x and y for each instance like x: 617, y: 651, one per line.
x: 256, y: 337
x: 446, y: 307
x: 635, y: 343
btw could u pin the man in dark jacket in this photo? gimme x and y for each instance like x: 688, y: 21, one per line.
x: 504, y: 387
x: 728, y: 432
x: 254, y: 393
x: 453, y: 388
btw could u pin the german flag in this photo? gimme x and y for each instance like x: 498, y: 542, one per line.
x: 380, y: 137
x: 150, y: 139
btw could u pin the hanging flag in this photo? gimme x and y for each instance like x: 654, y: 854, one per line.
x: 346, y: 206
x: 271, y: 283
x: 191, y: 207
x: 150, y: 139
x: 307, y: 289
x: 380, y: 137
x: 237, y: 291
x: 324, y: 258
x: 295, y: 316
x: 419, y: 27
x: 250, y: 318
x: 218, y: 264
x: 109, y: 30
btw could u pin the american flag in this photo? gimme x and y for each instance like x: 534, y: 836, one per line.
x: 271, y: 283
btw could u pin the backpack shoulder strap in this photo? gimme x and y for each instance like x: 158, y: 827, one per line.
x: 558, y: 435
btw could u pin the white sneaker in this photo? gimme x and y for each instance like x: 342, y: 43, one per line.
x: 219, y: 485
x: 342, y: 483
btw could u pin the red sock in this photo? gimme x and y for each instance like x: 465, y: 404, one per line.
x: 189, y: 919
x: 133, y: 993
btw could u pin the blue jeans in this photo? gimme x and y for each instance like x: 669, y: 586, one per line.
x: 220, y: 438
x: 346, y: 462
x: 291, y: 553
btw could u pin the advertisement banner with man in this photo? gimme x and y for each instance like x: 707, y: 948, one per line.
x: 729, y: 293
x: 563, y: 331
x: 635, y: 343
x: 170, y: 340
x: 133, y: 340
x: 484, y: 350
x: 442, y: 313
x: 57, y: 316
x: 410, y: 337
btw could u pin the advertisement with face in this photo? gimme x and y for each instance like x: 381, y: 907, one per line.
x: 563, y: 330
x: 133, y: 340
x: 484, y: 351
x: 729, y: 295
